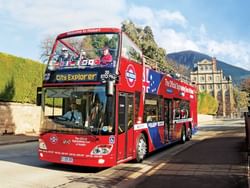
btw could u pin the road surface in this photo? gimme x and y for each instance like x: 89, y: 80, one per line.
x: 176, y: 165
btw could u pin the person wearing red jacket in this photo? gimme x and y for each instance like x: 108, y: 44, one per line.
x: 106, y: 57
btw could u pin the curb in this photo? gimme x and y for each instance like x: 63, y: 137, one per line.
x: 17, y: 141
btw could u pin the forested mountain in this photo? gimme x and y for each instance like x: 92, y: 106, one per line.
x: 189, y: 58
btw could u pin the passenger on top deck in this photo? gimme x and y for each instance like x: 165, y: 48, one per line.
x: 106, y: 58
x: 64, y: 56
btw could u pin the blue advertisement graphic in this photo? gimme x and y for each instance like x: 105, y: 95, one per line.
x: 154, y: 134
x: 154, y: 80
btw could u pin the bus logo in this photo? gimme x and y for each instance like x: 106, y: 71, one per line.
x: 169, y: 90
x: 111, y: 139
x: 53, y: 139
x: 130, y: 75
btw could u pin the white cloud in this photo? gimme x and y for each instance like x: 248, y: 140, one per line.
x: 203, y: 30
x: 174, y: 41
x: 187, y: 37
x: 162, y: 23
x: 236, y: 53
x: 171, y: 29
x: 174, y: 17
x: 143, y: 14
x: 146, y: 15
x: 62, y: 15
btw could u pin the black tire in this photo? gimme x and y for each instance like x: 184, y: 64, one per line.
x: 141, y: 148
x: 189, y: 133
x: 183, y: 135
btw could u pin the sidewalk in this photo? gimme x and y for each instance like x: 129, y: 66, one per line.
x: 15, y: 139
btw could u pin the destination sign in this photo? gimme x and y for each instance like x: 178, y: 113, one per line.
x: 76, y: 77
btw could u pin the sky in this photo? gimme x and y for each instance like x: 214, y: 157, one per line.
x: 218, y: 28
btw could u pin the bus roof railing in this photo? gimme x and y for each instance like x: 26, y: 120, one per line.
x: 151, y: 62
x: 155, y: 66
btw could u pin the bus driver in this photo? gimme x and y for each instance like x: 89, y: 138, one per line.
x: 73, y: 115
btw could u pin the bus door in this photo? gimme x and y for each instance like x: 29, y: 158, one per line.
x: 125, y: 124
x: 169, y: 129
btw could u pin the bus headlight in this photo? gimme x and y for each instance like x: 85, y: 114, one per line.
x: 42, y: 145
x: 103, y: 149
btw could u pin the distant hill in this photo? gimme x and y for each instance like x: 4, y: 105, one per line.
x: 189, y: 58
x: 19, y: 78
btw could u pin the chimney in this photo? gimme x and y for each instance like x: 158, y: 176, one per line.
x: 214, y: 64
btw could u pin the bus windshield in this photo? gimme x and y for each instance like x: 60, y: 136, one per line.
x: 90, y: 50
x: 80, y: 110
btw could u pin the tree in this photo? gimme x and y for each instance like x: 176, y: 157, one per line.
x: 46, y: 47
x: 144, y: 39
x: 207, y: 104
x: 131, y: 30
x: 245, y: 85
x: 240, y: 98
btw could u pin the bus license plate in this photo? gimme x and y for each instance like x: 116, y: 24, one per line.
x: 67, y: 159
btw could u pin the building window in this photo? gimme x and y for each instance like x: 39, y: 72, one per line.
x: 217, y: 78
x: 210, y: 87
x: 202, y: 88
x: 209, y: 78
x: 202, y: 78
x: 218, y: 86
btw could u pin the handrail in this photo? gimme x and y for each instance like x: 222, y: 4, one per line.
x: 155, y: 66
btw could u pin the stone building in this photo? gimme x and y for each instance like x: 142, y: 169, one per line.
x: 208, y: 79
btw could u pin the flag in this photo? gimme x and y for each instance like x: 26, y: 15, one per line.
x: 154, y: 79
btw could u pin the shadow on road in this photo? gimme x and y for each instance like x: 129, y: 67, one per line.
x: 218, y: 162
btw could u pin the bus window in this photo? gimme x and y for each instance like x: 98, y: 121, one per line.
x: 184, y: 109
x: 177, y: 113
x: 126, y: 112
x: 85, y: 51
x: 137, y: 105
x: 181, y: 109
x: 130, y: 50
x: 153, y: 108
x: 90, y: 102
x: 130, y: 111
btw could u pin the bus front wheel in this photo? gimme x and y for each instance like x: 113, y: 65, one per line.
x: 141, y: 148
x: 189, y: 133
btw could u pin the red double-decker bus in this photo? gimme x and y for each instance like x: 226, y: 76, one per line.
x: 103, y: 102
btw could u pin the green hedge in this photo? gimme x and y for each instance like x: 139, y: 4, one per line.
x: 19, y: 78
x: 207, y: 104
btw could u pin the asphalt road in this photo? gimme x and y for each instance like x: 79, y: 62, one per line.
x: 218, y: 161
x: 213, y: 155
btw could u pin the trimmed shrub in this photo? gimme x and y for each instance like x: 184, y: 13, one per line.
x: 19, y: 78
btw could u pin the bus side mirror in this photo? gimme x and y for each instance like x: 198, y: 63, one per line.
x: 110, y: 87
x: 38, y: 96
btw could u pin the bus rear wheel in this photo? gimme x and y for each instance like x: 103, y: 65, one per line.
x: 141, y: 148
x: 183, y: 135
